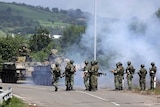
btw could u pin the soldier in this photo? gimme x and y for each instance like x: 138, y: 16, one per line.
x: 56, y: 74
x: 120, y: 75
x: 67, y: 76
x: 92, y: 85
x: 115, y: 72
x: 152, y: 72
x: 72, y: 72
x: 23, y: 54
x: 142, y: 77
x: 129, y: 71
x: 86, y: 74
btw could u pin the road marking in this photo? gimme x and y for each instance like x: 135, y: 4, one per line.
x: 99, y: 97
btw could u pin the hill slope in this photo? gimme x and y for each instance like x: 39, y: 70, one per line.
x: 22, y: 18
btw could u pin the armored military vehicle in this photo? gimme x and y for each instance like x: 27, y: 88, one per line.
x: 11, y: 72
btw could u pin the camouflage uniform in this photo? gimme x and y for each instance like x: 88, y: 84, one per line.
x: 92, y: 80
x: 56, y: 74
x: 152, y: 72
x: 120, y: 75
x: 129, y: 71
x: 67, y: 76
x: 72, y: 72
x: 86, y: 75
x: 115, y: 72
x: 142, y: 77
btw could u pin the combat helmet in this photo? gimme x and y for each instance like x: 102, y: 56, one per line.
x: 92, y: 62
x: 152, y: 63
x: 71, y: 61
x: 86, y: 62
x: 57, y: 64
x: 95, y: 61
x: 119, y: 64
x: 142, y: 65
x: 129, y: 62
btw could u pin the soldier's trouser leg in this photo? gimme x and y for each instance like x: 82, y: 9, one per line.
x: 144, y: 84
x: 129, y: 81
x: 90, y: 86
x: 129, y: 84
x: 55, y: 83
x: 140, y: 83
x: 96, y: 82
x: 93, y: 83
x: 116, y: 81
x: 72, y: 81
x: 119, y: 82
x: 86, y: 82
x: 67, y: 83
x: 152, y: 82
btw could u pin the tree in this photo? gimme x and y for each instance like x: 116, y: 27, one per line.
x: 72, y: 35
x: 9, y: 46
x: 55, y: 10
x: 39, y: 40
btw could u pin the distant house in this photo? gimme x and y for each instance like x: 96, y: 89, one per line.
x: 55, y: 36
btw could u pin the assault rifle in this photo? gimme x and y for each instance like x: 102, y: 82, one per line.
x: 101, y: 73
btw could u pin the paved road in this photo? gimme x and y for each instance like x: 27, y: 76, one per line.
x: 45, y: 96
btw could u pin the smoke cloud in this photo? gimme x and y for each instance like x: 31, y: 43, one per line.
x: 129, y: 31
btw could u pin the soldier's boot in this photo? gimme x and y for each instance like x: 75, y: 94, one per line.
x: 56, y: 88
x: 67, y: 88
x: 72, y: 88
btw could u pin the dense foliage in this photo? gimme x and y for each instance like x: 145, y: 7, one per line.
x: 72, y: 35
x: 40, y: 40
x: 9, y: 46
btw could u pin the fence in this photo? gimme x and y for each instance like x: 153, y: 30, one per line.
x: 5, y: 95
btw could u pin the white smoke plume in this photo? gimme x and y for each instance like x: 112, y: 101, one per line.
x: 129, y: 30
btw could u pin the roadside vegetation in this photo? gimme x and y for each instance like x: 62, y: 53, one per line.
x: 14, y: 102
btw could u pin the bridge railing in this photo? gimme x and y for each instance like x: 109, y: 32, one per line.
x: 5, y: 95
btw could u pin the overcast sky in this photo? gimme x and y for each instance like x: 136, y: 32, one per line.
x: 109, y: 8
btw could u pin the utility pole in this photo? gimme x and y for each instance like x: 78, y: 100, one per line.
x: 95, y: 29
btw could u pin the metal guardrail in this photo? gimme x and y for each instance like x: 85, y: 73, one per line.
x: 5, y: 95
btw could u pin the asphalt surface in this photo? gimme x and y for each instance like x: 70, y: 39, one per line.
x: 45, y: 96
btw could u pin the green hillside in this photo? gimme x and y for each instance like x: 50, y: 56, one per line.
x: 21, y: 18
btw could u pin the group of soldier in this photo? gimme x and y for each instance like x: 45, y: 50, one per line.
x: 90, y: 77
x: 129, y: 71
x: 69, y: 72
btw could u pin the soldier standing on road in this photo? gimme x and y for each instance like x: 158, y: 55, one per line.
x: 72, y: 72
x: 121, y: 75
x: 92, y: 85
x: 142, y: 77
x: 129, y: 71
x: 86, y: 74
x: 152, y: 72
x: 115, y: 72
x: 56, y: 74
x: 67, y: 76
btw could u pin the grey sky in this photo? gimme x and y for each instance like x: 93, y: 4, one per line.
x: 109, y: 8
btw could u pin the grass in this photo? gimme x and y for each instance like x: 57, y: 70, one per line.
x: 14, y: 102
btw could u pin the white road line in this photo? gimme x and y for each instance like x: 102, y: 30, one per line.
x: 99, y: 97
